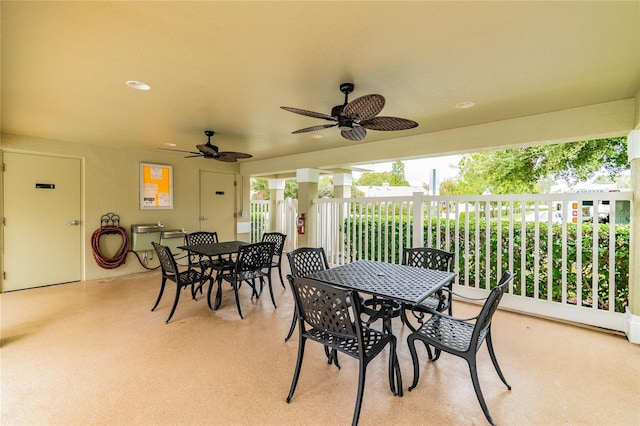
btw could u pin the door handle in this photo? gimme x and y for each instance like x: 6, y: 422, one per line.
x: 73, y: 223
x: 203, y: 218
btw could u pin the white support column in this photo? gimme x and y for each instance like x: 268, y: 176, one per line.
x: 633, y: 309
x: 276, y: 194
x: 342, y: 185
x: 307, y: 192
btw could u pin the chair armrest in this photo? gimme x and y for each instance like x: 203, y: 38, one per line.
x: 420, y: 315
x: 462, y: 296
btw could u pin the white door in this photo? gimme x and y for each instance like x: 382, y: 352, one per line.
x: 217, y: 201
x: 42, y: 232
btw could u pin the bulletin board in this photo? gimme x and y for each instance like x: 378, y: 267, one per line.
x: 156, y: 186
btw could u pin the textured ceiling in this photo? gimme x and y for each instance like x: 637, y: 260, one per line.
x: 229, y: 66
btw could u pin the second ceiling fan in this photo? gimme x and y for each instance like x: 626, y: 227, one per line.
x: 355, y: 117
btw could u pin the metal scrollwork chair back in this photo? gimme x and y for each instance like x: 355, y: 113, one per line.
x: 170, y: 272
x: 278, y: 240
x: 331, y: 316
x: 441, y: 301
x: 462, y: 338
x: 253, y: 263
x: 303, y: 262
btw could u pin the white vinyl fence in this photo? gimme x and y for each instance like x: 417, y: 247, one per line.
x: 569, y: 261
x: 285, y: 220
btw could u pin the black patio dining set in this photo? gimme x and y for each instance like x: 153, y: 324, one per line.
x: 349, y: 308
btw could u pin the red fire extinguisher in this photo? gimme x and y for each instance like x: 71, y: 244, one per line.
x: 300, y: 223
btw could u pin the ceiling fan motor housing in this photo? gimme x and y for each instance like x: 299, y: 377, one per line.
x: 345, y: 124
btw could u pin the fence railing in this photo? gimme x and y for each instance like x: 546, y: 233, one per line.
x: 568, y: 252
x: 285, y: 220
x: 287, y: 211
x: 259, y: 218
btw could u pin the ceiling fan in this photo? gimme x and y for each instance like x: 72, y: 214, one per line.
x: 208, y: 150
x: 355, y: 117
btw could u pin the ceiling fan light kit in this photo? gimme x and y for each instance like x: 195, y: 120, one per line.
x: 355, y: 117
x: 211, y: 151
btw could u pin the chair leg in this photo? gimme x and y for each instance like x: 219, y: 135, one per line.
x: 293, y: 326
x: 476, y: 386
x: 164, y: 280
x: 332, y: 356
x: 218, y: 301
x: 411, y: 342
x: 175, y: 302
x: 405, y: 319
x: 395, y: 375
x: 270, y: 290
x: 235, y: 291
x: 495, y: 360
x: 296, y: 373
x: 280, y: 273
x: 362, y: 368
x: 209, y: 293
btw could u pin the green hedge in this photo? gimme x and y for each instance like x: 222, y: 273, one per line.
x: 392, y: 234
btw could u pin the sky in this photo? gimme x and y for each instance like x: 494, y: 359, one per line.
x: 419, y: 171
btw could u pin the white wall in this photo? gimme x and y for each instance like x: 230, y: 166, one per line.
x: 111, y: 184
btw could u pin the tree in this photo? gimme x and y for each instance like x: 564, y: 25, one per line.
x: 291, y: 189
x: 397, y: 174
x: 448, y: 187
x: 394, y: 178
x: 260, y: 189
x: 325, y: 187
x: 523, y: 170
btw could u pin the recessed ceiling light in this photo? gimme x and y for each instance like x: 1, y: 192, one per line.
x: 170, y: 144
x: 465, y: 105
x: 317, y: 136
x: 138, y: 85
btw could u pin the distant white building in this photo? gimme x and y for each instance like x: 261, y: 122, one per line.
x: 390, y: 191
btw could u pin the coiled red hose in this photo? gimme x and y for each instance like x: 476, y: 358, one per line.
x: 120, y: 256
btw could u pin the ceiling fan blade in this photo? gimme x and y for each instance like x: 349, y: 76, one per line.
x: 309, y: 113
x: 230, y: 156
x: 314, y: 128
x: 179, y: 150
x: 357, y: 133
x: 364, y: 108
x: 388, y: 123
x: 191, y: 156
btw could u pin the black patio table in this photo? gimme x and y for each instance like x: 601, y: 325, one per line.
x: 213, y: 250
x: 401, y: 283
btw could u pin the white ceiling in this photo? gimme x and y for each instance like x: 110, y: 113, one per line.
x: 229, y: 66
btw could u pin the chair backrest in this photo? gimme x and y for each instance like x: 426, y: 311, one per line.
x: 201, y: 238
x: 304, y: 261
x: 167, y: 261
x: 325, y: 307
x: 253, y: 257
x: 427, y: 257
x: 277, y: 239
x: 489, y: 308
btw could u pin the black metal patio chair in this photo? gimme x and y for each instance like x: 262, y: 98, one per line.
x: 441, y: 301
x: 303, y: 262
x: 462, y: 338
x: 278, y: 240
x: 252, y: 264
x: 170, y: 272
x: 331, y: 316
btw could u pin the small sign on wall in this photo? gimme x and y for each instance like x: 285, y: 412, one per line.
x: 45, y: 186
